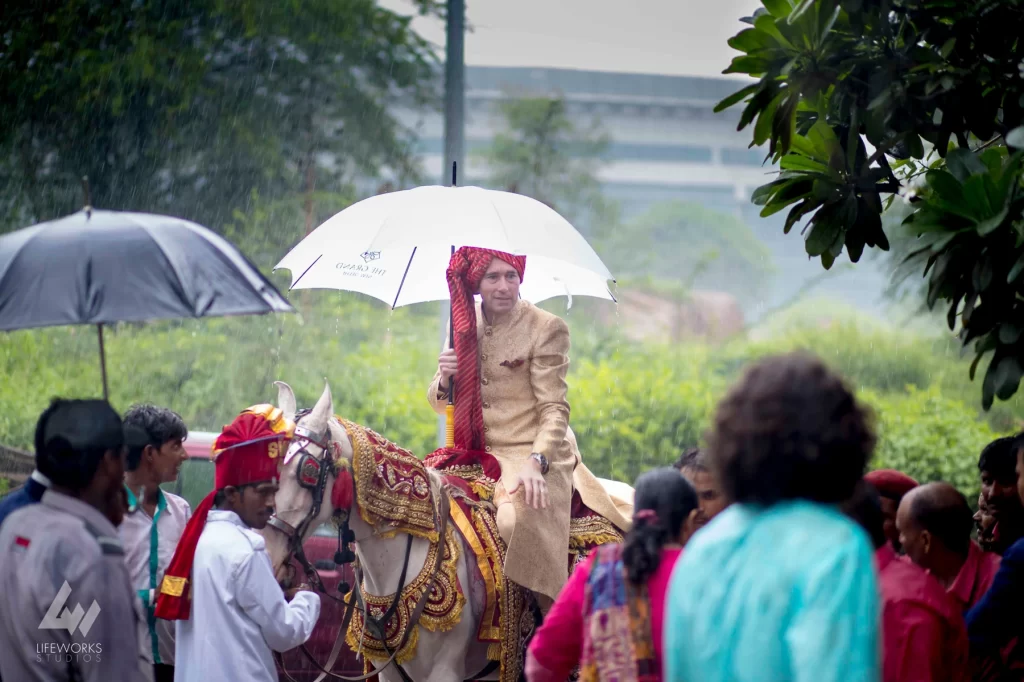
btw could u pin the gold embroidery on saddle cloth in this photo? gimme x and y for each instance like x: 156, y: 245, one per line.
x: 442, y: 612
x: 392, y: 486
x: 473, y: 475
x: 489, y: 630
x: 589, y: 531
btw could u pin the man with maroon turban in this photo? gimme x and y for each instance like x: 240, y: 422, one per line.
x: 220, y: 585
x: 509, y: 363
x: 891, y: 485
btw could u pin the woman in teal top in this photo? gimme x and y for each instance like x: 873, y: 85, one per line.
x: 780, y: 586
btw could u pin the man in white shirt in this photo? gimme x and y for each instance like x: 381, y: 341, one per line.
x: 154, y: 522
x: 220, y: 585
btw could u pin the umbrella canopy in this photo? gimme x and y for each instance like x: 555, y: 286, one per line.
x: 116, y: 266
x: 396, y: 246
x: 101, y: 267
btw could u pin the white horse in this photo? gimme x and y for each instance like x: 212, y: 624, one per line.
x: 441, y: 656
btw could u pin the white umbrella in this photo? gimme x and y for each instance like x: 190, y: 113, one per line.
x: 396, y: 246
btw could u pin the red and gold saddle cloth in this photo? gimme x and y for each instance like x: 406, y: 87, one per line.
x: 393, y: 490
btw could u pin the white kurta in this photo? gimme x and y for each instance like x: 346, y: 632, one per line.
x: 239, y: 614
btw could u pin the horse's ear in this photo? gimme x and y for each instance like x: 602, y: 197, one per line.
x: 286, y: 399
x: 323, y: 410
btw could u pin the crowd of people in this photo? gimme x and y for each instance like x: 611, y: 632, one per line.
x: 776, y: 557
x: 163, y: 592
x: 770, y: 554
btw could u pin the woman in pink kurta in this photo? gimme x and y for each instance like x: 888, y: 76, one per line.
x: 608, y: 617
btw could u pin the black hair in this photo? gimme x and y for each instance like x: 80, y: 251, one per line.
x: 692, y: 458
x: 944, y: 513
x: 999, y: 458
x: 160, y: 426
x: 72, y: 437
x: 865, y: 507
x: 790, y: 428
x: 671, y: 498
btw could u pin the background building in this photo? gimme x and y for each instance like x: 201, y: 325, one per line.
x: 667, y: 144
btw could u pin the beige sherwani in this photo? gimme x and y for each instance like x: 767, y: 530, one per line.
x: 523, y: 365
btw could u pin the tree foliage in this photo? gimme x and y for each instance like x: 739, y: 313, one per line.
x: 686, y: 242
x: 187, y: 107
x: 540, y: 152
x: 860, y: 100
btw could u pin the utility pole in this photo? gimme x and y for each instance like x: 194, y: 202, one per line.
x: 454, y: 127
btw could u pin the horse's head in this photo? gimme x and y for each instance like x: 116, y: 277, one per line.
x: 316, y: 482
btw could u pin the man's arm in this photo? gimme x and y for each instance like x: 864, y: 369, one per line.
x: 834, y: 636
x: 995, y: 619
x: 114, y: 635
x: 548, y: 367
x: 285, y: 625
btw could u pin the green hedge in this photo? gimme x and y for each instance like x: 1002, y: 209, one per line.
x: 633, y: 406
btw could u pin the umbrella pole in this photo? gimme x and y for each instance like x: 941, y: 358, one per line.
x: 103, y: 362
x: 449, y: 410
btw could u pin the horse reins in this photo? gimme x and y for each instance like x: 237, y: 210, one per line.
x: 313, y: 474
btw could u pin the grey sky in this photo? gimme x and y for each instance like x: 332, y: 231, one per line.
x: 677, y: 37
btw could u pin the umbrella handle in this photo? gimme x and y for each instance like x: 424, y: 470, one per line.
x: 449, y: 426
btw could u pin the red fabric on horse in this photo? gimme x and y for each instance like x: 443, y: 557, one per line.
x: 465, y: 272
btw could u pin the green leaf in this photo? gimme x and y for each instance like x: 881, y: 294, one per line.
x: 1009, y: 333
x: 798, y: 212
x: 827, y: 259
x: 822, y: 235
x: 797, y: 162
x: 736, y: 97
x: 915, y: 146
x: 990, y: 225
x: 763, y: 127
x: 945, y: 186
x: 1015, y: 138
x: 766, y: 23
x: 762, y: 194
x: 1015, y: 271
x: 751, y: 40
x: 947, y: 48
x: 1006, y: 377
x: 779, y: 9
x: 963, y: 163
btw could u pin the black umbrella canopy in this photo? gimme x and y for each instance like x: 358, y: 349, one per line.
x: 102, y: 267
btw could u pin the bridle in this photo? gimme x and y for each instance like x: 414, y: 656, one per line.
x: 312, y: 474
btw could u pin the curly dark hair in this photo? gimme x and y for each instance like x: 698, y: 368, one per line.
x: 159, y: 423
x: 692, y: 458
x: 865, y: 507
x: 671, y: 498
x: 790, y: 429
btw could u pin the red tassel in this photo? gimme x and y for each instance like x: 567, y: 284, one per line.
x: 341, y: 492
x: 169, y: 606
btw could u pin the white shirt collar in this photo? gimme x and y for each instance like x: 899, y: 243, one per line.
x: 40, y: 479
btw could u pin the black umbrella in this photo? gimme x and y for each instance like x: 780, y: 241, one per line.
x: 102, y: 267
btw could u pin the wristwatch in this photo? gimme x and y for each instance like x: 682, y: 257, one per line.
x: 542, y: 460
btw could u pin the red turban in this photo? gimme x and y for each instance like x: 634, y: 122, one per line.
x: 890, y: 483
x: 247, y: 451
x: 465, y: 272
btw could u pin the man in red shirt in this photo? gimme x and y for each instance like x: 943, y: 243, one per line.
x: 923, y: 633
x: 935, y: 525
x: 891, y: 486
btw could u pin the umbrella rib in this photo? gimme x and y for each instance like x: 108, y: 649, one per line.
x: 404, y: 275
x: 305, y: 271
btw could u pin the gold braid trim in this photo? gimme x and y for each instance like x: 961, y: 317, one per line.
x: 392, y: 485
x: 589, y: 531
x: 441, y: 614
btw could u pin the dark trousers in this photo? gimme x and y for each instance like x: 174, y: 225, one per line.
x: 163, y: 673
